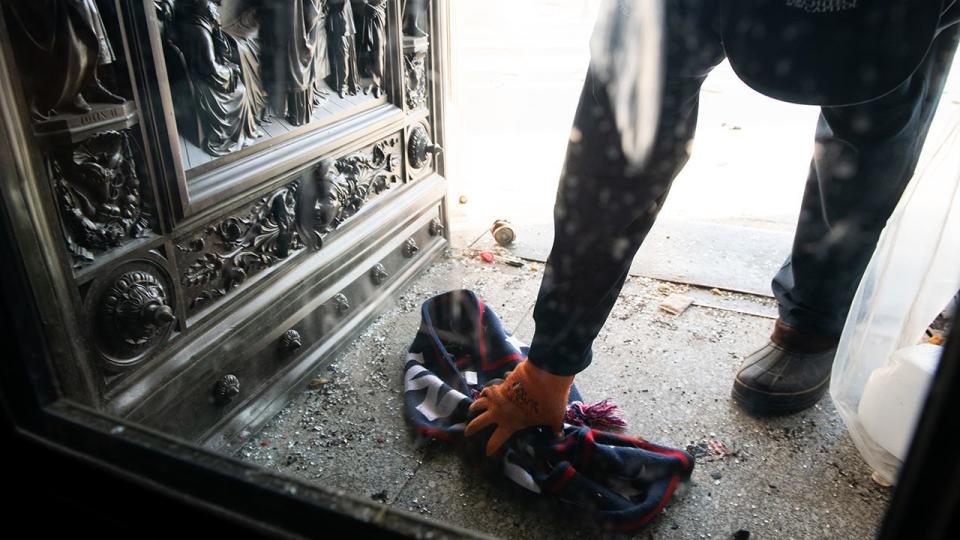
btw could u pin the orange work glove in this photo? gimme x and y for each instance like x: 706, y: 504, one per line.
x: 528, y: 397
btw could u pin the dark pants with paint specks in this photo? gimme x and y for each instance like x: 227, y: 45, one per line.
x: 864, y: 156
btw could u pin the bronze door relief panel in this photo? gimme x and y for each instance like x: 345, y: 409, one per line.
x: 194, y: 156
x: 249, y: 71
x: 228, y: 251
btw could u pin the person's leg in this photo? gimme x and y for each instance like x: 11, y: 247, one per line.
x: 603, y: 208
x: 865, y: 155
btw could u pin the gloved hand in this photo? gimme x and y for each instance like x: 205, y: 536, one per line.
x: 528, y: 397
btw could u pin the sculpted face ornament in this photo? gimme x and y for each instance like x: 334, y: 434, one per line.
x: 342, y: 303
x: 225, y: 389
x: 410, y: 248
x: 436, y: 227
x: 134, y: 313
x: 334, y: 192
x: 291, y: 341
x: 420, y: 148
x: 99, y: 195
x: 378, y: 274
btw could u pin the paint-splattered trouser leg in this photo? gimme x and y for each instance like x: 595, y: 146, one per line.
x: 604, y: 208
x: 864, y: 157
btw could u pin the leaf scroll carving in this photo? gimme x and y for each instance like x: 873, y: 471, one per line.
x: 226, y: 253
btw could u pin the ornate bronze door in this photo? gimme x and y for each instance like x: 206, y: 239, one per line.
x: 215, y: 196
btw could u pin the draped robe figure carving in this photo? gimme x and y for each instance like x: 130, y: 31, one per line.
x: 243, y: 33
x: 294, y: 47
x: 373, y: 42
x: 322, y: 62
x: 60, y: 45
x: 342, y: 47
x: 226, y: 118
x: 413, y: 12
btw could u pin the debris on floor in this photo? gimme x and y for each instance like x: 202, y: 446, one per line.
x: 502, y: 232
x: 676, y: 303
x: 500, y: 256
x: 880, y: 480
x: 666, y: 287
x: 710, y: 450
x: 672, y: 382
x: 318, y: 382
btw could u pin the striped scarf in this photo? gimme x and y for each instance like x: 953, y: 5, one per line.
x: 620, y: 482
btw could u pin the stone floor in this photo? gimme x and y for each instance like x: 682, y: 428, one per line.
x: 794, y: 477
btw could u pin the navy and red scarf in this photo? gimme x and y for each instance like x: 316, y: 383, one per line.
x: 621, y: 482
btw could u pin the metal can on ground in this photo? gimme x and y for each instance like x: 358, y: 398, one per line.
x: 502, y: 232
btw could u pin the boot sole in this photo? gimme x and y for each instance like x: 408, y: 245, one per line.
x: 760, y: 403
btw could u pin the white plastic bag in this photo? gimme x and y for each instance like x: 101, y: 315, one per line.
x: 880, y: 377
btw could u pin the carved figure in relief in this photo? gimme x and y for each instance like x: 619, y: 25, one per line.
x: 415, y: 70
x: 295, y: 56
x: 225, y: 118
x: 283, y: 210
x: 341, y: 30
x: 413, y: 12
x: 243, y: 35
x: 60, y: 46
x: 322, y: 63
x: 99, y: 194
x: 165, y: 12
x: 372, y: 42
x: 344, y: 185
